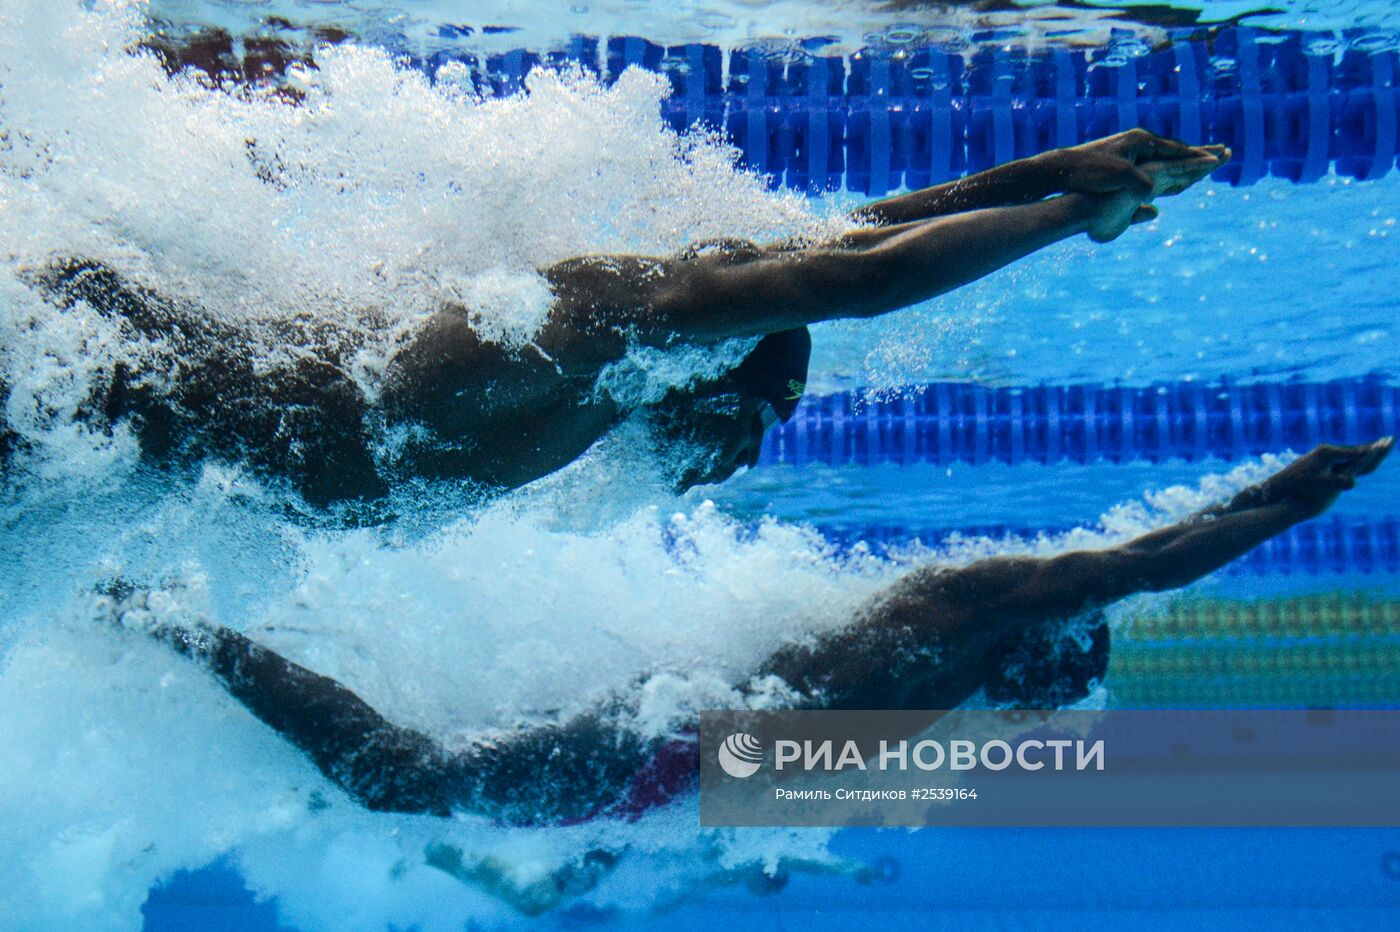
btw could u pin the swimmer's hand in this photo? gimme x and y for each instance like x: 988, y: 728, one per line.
x: 1120, y: 163
x: 155, y: 613
x: 1172, y: 176
x: 1126, y: 171
x: 1314, y: 480
x: 1122, y: 209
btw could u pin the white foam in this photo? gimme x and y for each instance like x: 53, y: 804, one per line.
x: 376, y: 199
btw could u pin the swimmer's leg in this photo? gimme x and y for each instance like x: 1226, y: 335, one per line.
x: 539, y: 895
x: 762, y: 881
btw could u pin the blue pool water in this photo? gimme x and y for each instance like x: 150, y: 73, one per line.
x: 137, y: 795
x: 991, y: 878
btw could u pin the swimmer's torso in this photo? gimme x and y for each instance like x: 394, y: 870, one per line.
x: 452, y: 390
x: 452, y: 405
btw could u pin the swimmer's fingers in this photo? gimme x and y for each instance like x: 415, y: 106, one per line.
x: 1115, y: 213
x: 1176, y: 175
x: 1358, y: 461
x: 1089, y: 169
x: 1312, y: 482
x: 1329, y: 468
x: 1135, y: 161
x: 1223, y: 153
x: 1378, y: 452
x: 1139, y: 145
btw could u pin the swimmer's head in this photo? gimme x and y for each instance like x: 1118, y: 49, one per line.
x: 713, y: 429
x: 776, y: 373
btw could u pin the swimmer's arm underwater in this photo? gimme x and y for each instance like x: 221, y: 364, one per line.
x: 1099, y: 189
x: 575, y: 768
x: 713, y: 297
x: 928, y: 642
x: 1103, y: 166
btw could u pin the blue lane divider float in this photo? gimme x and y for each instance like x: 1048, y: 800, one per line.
x: 1329, y: 546
x: 1291, y: 104
x: 951, y: 422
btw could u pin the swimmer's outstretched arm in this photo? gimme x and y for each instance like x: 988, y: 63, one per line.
x: 718, y: 295
x: 382, y: 765
x: 554, y: 772
x: 928, y: 642
x: 1103, y: 166
x: 713, y: 297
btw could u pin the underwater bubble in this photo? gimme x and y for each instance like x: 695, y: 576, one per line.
x: 674, y: 65
x: 380, y: 189
x: 903, y: 34
x: 714, y: 20
x: 1130, y: 47
x: 948, y: 39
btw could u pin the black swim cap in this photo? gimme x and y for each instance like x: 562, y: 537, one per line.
x: 776, y: 370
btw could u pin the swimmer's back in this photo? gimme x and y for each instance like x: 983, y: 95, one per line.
x: 204, y: 395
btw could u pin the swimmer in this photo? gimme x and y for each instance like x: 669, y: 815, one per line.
x: 932, y: 640
x: 476, y: 411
